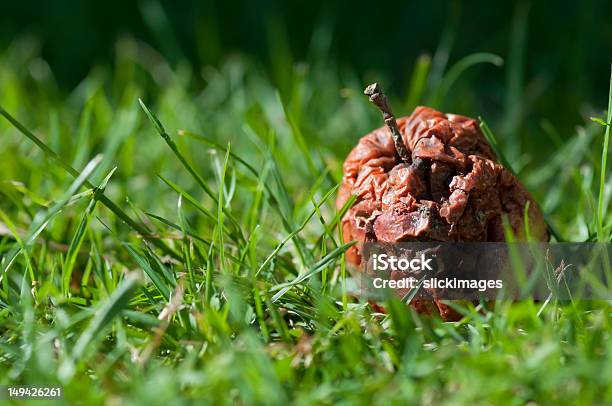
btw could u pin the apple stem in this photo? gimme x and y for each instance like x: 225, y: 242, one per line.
x: 376, y: 95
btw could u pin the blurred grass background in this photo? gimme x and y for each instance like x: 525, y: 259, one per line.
x: 556, y: 52
x: 266, y: 313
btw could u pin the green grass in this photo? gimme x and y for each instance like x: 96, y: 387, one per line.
x: 198, y: 255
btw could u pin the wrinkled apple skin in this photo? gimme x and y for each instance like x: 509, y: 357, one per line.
x: 454, y: 189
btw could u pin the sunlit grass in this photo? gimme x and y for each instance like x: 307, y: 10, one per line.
x: 209, y: 263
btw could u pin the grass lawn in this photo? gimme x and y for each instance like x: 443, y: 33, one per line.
x: 186, y: 247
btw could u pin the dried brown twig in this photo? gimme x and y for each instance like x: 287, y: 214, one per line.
x: 376, y: 95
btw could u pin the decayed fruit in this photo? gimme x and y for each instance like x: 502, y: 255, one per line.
x: 430, y: 177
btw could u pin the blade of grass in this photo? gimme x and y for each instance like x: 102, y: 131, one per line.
x: 440, y: 58
x: 493, y: 142
x: 495, y: 145
x: 170, y: 142
x: 103, y: 315
x: 296, y: 131
x: 337, y: 218
x: 42, y: 219
x: 458, y: 68
x: 318, y: 267
x: 142, y: 261
x: 418, y: 82
x: 74, y: 173
x: 296, y: 231
x: 20, y: 246
x: 198, y: 206
x: 250, y: 168
x: 220, y: 213
x: 514, y: 101
x: 79, y: 236
x: 177, y: 227
x: 604, y: 162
